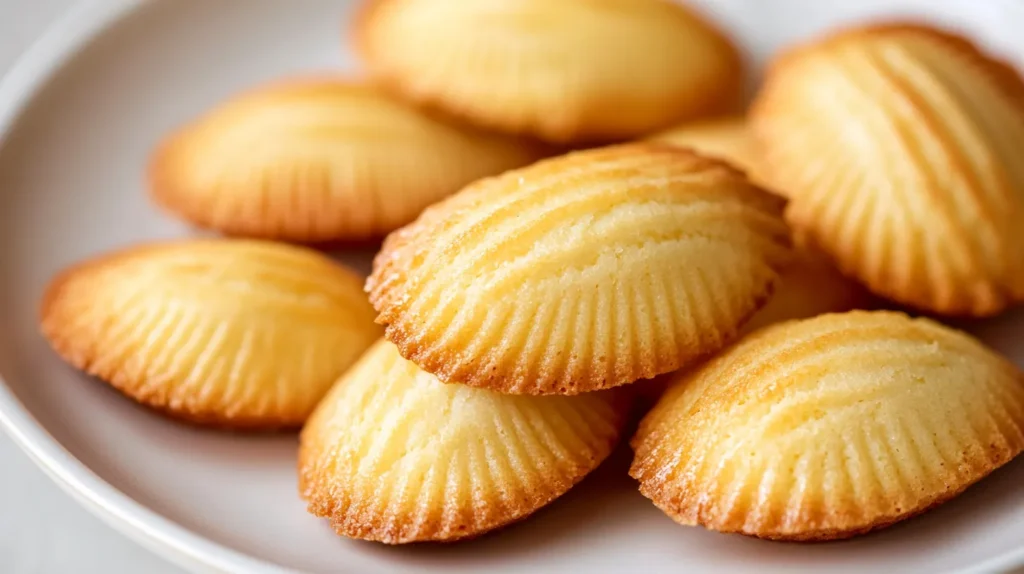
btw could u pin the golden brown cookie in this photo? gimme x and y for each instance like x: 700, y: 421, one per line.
x: 395, y: 456
x: 566, y: 71
x: 320, y: 160
x: 232, y: 333
x: 899, y: 148
x: 582, y: 272
x: 830, y: 427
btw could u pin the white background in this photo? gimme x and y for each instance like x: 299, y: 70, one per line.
x: 42, y: 530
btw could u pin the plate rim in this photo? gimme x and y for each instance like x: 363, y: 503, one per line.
x: 73, y: 29
x: 79, y: 25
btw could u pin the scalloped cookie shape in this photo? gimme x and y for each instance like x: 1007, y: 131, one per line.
x: 565, y: 71
x: 231, y: 333
x: 320, y: 160
x: 582, y: 272
x: 830, y: 427
x: 395, y: 456
x: 899, y: 148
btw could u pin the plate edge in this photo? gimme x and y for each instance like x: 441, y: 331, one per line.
x: 32, y: 70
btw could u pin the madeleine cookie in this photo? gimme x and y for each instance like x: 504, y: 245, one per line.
x: 231, y: 333
x: 566, y: 71
x: 899, y: 148
x: 724, y: 137
x: 830, y: 427
x: 583, y: 272
x: 320, y: 160
x: 395, y: 456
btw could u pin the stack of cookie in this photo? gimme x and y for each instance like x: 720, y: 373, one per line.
x: 527, y: 296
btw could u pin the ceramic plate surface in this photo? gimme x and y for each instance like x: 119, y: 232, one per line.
x: 78, y: 117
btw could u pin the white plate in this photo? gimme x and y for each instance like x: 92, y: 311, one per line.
x: 79, y: 115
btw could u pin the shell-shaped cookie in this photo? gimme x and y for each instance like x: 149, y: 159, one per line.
x: 396, y: 456
x: 232, y: 333
x: 830, y: 427
x: 724, y: 137
x: 320, y: 160
x: 582, y: 272
x: 566, y: 71
x: 899, y: 148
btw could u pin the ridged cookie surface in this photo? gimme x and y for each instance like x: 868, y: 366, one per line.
x: 565, y: 70
x: 230, y: 333
x: 396, y: 456
x: 582, y: 272
x: 899, y: 148
x: 830, y: 427
x: 320, y: 160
